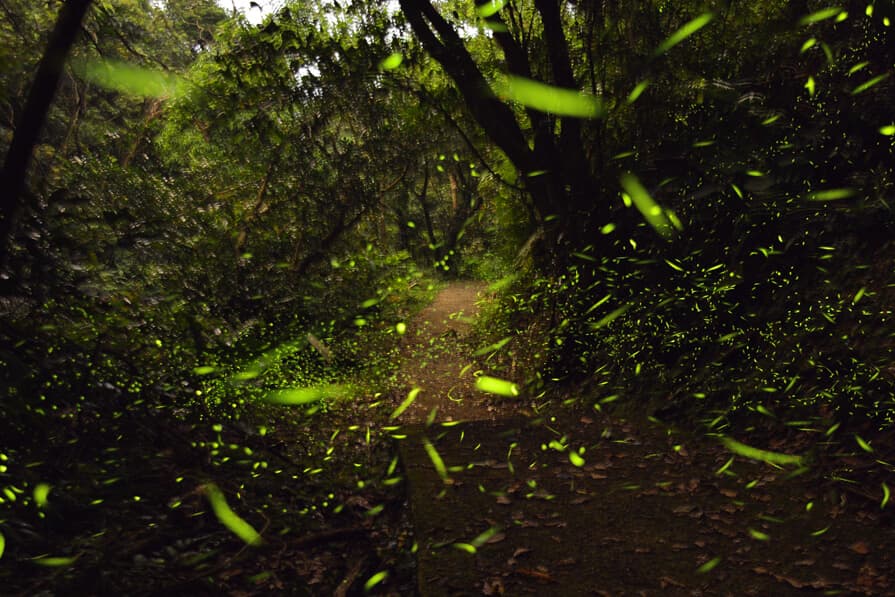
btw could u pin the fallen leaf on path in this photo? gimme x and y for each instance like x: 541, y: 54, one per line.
x: 685, y: 509
x: 860, y: 547
x: 794, y: 582
x: 867, y: 576
x: 727, y: 532
x: 667, y: 581
x: 642, y: 550
x: 841, y: 566
x: 493, y: 586
x: 541, y: 573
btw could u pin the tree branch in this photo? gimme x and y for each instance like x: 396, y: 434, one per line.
x: 493, y: 116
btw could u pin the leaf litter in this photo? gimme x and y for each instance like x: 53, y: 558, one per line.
x: 708, y: 516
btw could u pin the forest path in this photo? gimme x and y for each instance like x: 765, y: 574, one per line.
x: 437, y: 359
x: 637, y: 510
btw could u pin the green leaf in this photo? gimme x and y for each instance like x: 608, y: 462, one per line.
x: 204, y: 370
x: 550, y: 99
x: 411, y: 396
x: 576, y: 459
x: 886, y: 495
x: 129, y: 79
x: 392, y: 61
x: 761, y: 455
x: 489, y: 8
x: 493, y: 385
x: 684, y: 32
x: 887, y: 130
x: 2, y: 545
x: 229, y: 518
x: 820, y: 15
x: 759, y: 535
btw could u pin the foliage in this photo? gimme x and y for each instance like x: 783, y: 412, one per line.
x: 682, y: 207
x: 766, y: 295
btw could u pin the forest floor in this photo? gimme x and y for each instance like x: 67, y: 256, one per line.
x: 572, y: 503
x: 509, y: 495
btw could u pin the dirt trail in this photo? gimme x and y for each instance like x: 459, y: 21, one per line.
x: 437, y: 359
x: 578, y: 504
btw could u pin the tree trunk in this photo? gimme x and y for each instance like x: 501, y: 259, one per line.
x: 46, y: 81
x: 562, y: 186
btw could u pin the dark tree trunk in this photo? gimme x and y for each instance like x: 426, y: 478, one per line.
x: 423, y: 198
x: 46, y: 81
x: 563, y: 186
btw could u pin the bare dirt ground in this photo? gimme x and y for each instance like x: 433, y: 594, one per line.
x: 437, y: 359
x: 581, y: 504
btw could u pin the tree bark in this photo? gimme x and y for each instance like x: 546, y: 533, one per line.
x: 46, y: 81
x: 497, y: 120
x: 562, y: 185
x: 493, y: 116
